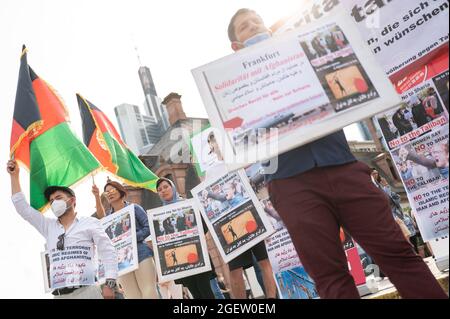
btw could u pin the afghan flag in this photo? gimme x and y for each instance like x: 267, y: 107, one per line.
x: 102, y: 139
x: 42, y: 140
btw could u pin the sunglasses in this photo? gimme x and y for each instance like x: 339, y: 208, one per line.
x: 60, y: 243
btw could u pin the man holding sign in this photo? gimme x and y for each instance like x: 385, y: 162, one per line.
x: 320, y: 187
x: 70, y: 241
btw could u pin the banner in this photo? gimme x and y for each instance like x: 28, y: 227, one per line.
x: 232, y: 213
x: 121, y: 229
x: 179, y: 242
x: 305, y: 84
x: 417, y: 137
x: 401, y: 33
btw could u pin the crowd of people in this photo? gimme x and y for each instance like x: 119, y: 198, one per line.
x: 317, y: 189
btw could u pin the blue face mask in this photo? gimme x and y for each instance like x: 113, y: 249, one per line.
x: 256, y: 39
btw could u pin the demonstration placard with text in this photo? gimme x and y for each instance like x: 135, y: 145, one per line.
x: 120, y: 227
x: 232, y: 213
x: 178, y: 241
x: 293, y: 89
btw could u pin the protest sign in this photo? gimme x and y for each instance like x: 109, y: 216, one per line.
x: 295, y: 283
x: 293, y: 89
x: 71, y: 267
x: 401, y: 33
x: 203, y: 157
x: 410, y: 41
x: 232, y: 213
x: 45, y: 263
x: 179, y: 242
x: 121, y: 229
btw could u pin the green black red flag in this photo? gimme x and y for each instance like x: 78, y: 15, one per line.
x: 42, y: 140
x: 103, y: 140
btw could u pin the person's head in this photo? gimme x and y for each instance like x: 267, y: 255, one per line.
x: 62, y: 199
x: 403, y: 166
x: 165, y: 189
x: 213, y: 146
x: 230, y: 190
x: 115, y: 192
x: 440, y: 155
x: 246, y: 28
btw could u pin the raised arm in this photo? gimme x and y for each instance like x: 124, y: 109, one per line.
x: 31, y: 215
x: 100, y: 210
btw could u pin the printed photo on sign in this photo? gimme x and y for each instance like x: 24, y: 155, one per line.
x: 175, y: 225
x: 239, y: 227
x: 121, y: 229
x: 292, y: 89
x: 180, y: 245
x: 255, y: 174
x: 424, y: 161
x: 338, y: 68
x: 422, y: 112
x: 181, y: 255
x: 296, y: 284
x: 202, y: 149
x: 223, y: 196
x: 441, y: 84
x: 233, y: 213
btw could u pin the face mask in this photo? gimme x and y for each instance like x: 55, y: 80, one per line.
x: 59, y: 207
x: 256, y: 39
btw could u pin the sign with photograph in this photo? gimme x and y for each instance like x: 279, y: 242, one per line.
x: 293, y: 89
x: 204, y: 156
x: 179, y: 242
x: 121, y: 229
x: 232, y: 213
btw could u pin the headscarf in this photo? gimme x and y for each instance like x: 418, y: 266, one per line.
x: 176, y: 198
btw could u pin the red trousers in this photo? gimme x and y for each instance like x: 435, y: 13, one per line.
x: 315, y: 204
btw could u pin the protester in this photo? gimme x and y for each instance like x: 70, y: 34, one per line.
x: 405, y: 222
x: 203, y: 285
x: 141, y: 283
x: 68, y: 230
x: 318, y: 188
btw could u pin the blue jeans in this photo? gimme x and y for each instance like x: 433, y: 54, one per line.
x: 216, y: 289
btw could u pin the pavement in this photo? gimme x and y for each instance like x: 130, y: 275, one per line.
x: 386, y: 289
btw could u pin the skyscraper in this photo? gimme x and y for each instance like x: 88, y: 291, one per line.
x: 152, y: 103
x: 140, y: 132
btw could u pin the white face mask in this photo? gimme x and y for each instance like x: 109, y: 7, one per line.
x: 59, y: 207
x: 256, y: 39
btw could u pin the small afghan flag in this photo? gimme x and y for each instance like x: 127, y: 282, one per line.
x: 41, y: 138
x: 102, y: 139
